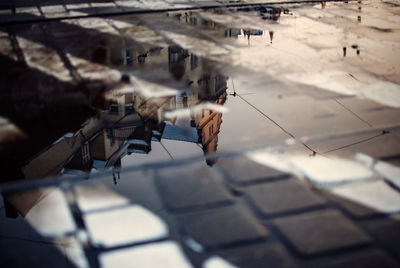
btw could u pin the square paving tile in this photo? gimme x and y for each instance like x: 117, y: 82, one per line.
x: 222, y: 227
x: 376, y: 195
x: 165, y: 254
x: 387, y: 232
x: 132, y: 224
x: 282, y: 196
x: 97, y: 196
x: 192, y: 186
x: 263, y: 255
x: 365, y: 259
x: 243, y: 170
x: 320, y: 231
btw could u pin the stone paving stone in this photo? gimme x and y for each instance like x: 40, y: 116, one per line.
x: 320, y: 231
x: 43, y: 58
x: 387, y: 233
x: 138, y: 187
x: 54, y: 11
x: 356, y: 210
x: 29, y: 10
x: 263, y: 255
x: 222, y: 227
x: 242, y: 170
x: 390, y: 172
x: 329, y: 171
x: 216, y: 262
x: 164, y: 254
x: 365, y: 259
x: 181, y: 189
x: 73, y: 251
x: 376, y: 195
x: 97, y: 196
x: 50, y: 215
x: 282, y: 196
x: 132, y: 5
x: 133, y: 224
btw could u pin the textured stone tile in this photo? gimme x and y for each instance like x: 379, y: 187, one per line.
x: 97, y: 196
x: 243, y: 170
x: 121, y: 226
x: 73, y: 251
x: 137, y: 186
x: 222, y: 227
x: 376, y: 195
x: 50, y: 215
x: 43, y: 58
x: 318, y: 169
x: 54, y: 11
x: 328, y: 171
x: 263, y: 255
x: 282, y: 196
x: 369, y: 258
x: 390, y: 172
x: 353, y: 208
x: 164, y: 254
x: 216, y: 262
x: 192, y: 186
x: 387, y: 233
x: 320, y: 231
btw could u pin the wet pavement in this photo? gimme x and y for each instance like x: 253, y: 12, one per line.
x: 200, y: 133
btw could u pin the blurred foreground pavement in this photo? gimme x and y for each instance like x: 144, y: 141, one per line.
x: 200, y: 133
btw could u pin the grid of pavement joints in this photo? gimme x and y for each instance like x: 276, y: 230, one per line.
x: 273, y: 219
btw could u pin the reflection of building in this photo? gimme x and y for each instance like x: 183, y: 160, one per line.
x: 127, y: 123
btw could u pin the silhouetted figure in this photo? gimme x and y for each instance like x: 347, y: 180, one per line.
x: 271, y: 35
x: 344, y: 51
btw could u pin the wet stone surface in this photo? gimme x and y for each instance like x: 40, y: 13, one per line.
x: 199, y: 133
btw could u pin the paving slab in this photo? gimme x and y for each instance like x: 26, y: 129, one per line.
x: 351, y: 208
x: 267, y: 197
x: 387, y: 233
x: 320, y: 231
x: 370, y: 194
x: 181, y: 190
x: 370, y: 258
x: 268, y: 254
x: 98, y: 197
x: 129, y: 225
x: 165, y: 254
x: 222, y: 227
x: 242, y: 170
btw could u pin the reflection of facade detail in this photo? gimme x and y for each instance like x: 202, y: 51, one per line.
x: 127, y: 123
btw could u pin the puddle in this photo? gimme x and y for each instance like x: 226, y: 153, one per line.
x: 107, y: 93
